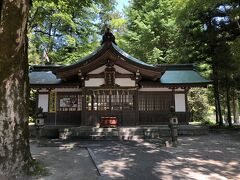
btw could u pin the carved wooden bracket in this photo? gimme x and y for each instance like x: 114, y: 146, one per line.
x: 80, y: 75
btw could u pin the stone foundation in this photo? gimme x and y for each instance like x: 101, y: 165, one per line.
x: 119, y: 133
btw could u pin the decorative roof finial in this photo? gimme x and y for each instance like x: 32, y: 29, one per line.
x: 108, y: 37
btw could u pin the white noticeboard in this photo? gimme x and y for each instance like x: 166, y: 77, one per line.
x: 180, y: 104
x: 43, y: 102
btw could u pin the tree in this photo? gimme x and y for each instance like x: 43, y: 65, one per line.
x: 208, y: 28
x: 109, y: 17
x: 15, y: 154
x: 151, y: 30
x: 66, y: 29
x: 198, y: 104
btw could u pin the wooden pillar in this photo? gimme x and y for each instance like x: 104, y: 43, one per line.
x: 82, y: 80
x: 186, y: 100
x: 37, y: 99
x: 136, y: 95
x: 173, y: 98
x: 186, y: 106
x: 83, y: 114
x: 138, y: 77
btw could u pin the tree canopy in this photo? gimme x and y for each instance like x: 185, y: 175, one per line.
x: 209, y: 36
x: 65, y: 30
x: 151, y: 30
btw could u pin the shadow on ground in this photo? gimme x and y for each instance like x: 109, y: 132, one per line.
x: 64, y: 162
x: 214, y: 156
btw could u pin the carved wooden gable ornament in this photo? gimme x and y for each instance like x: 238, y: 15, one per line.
x: 109, y: 75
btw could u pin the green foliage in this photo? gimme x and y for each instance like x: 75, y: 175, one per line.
x: 106, y: 14
x: 32, y: 103
x: 151, y: 30
x: 203, y: 26
x: 198, y: 104
x: 63, y: 28
x: 37, y: 169
x: 208, y: 122
x: 110, y: 18
x: 209, y: 35
x: 234, y: 45
x: 224, y: 128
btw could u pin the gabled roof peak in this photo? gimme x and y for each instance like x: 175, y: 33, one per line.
x: 108, y: 37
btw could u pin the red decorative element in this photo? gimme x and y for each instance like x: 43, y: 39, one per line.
x: 109, y: 122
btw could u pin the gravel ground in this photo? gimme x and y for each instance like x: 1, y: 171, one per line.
x: 65, y: 162
x: 214, y: 156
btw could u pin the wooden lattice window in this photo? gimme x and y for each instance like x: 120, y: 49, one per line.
x: 154, y: 101
x: 116, y: 101
x: 103, y: 100
x: 98, y: 101
x: 127, y: 100
x: 141, y: 103
x: 89, y: 102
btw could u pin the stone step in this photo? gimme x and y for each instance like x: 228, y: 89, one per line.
x: 140, y: 132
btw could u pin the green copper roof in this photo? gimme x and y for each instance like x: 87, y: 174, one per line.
x: 43, y: 77
x: 178, y: 77
x: 182, y: 77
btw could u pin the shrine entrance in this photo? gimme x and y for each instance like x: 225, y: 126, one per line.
x: 119, y: 103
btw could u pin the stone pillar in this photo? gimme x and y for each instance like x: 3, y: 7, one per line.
x: 173, y: 123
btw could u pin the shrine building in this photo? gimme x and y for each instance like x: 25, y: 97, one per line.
x: 111, y: 83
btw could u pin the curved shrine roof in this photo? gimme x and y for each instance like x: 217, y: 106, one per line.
x: 174, y: 77
x: 43, y: 77
x: 110, y: 47
x: 185, y: 77
x: 161, y: 74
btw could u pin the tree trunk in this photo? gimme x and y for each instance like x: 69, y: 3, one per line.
x: 229, y: 118
x: 235, y: 108
x: 219, y: 110
x: 15, y: 154
x: 216, y: 110
x: 219, y: 119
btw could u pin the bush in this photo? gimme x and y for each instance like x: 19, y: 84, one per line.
x: 198, y: 104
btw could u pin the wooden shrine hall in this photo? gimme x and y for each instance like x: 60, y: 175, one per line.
x: 111, y: 83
